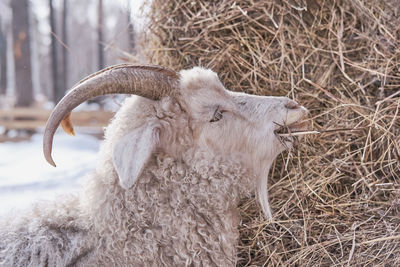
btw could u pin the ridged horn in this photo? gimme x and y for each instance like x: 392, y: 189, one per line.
x: 153, y: 82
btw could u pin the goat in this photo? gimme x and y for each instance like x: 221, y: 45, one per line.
x: 175, y: 162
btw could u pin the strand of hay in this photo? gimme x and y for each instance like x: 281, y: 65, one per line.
x: 337, y: 198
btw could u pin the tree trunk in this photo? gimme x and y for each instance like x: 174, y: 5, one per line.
x: 22, y: 53
x: 131, y: 30
x: 3, y: 61
x: 100, y: 35
x: 64, y: 66
x: 100, y: 50
x: 57, y: 92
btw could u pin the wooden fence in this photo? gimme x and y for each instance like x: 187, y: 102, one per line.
x: 30, y: 119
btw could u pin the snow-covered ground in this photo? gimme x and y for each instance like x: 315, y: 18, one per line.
x: 25, y: 176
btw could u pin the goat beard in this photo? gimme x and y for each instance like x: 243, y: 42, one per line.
x: 262, y: 192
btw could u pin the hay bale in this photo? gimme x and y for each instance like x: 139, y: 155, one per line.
x: 337, y: 198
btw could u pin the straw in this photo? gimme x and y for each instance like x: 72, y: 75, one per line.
x: 338, y: 58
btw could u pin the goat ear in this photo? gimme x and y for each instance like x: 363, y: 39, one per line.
x: 132, y: 152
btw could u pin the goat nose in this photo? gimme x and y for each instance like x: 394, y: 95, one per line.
x: 292, y: 105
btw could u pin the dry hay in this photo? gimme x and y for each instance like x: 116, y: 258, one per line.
x: 337, y: 197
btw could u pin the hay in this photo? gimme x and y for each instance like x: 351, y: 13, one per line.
x: 337, y: 197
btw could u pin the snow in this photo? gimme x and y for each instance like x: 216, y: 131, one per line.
x: 25, y: 176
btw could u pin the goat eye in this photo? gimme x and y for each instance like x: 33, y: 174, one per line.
x: 217, y: 115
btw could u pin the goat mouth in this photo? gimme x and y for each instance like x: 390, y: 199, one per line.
x: 286, y: 133
x: 291, y: 128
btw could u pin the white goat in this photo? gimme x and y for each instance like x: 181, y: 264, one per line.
x: 172, y: 169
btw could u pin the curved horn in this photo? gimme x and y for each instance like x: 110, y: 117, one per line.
x: 152, y: 82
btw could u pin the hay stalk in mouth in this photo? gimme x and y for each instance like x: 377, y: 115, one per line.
x: 298, y: 133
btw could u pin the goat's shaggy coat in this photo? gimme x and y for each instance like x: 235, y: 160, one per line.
x: 167, y: 186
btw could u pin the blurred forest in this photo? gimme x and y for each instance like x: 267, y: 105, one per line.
x: 46, y: 46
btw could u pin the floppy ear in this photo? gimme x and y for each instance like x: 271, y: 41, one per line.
x: 132, y: 152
